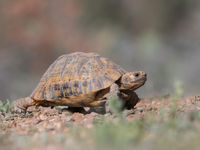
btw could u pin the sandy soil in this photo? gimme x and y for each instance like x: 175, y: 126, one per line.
x: 53, y: 120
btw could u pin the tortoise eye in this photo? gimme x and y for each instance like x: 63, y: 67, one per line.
x: 137, y: 75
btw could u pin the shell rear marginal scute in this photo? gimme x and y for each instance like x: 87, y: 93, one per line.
x: 76, y: 74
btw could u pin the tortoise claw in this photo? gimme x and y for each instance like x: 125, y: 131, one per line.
x: 18, y: 110
x: 19, y: 107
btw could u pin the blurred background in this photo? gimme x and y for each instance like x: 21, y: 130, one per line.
x: 159, y: 37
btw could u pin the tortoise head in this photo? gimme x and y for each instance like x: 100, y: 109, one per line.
x: 133, y: 80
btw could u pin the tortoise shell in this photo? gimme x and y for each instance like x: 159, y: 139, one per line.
x: 76, y: 74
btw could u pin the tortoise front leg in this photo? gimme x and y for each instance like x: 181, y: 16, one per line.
x: 102, y: 105
x: 22, y: 104
x: 131, y: 100
x: 113, y: 94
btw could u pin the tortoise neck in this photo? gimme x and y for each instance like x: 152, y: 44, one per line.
x: 121, y: 87
x: 125, y: 91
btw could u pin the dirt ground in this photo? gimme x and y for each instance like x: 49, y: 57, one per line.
x: 54, y: 120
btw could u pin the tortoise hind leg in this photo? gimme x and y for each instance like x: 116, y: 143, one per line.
x: 22, y: 104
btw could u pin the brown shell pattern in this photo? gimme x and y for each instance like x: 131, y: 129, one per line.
x: 76, y: 74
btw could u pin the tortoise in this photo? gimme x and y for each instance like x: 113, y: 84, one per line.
x: 82, y: 79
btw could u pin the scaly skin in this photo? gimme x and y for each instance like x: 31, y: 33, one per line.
x: 22, y: 104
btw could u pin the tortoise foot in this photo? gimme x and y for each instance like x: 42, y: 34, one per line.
x: 22, y: 104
